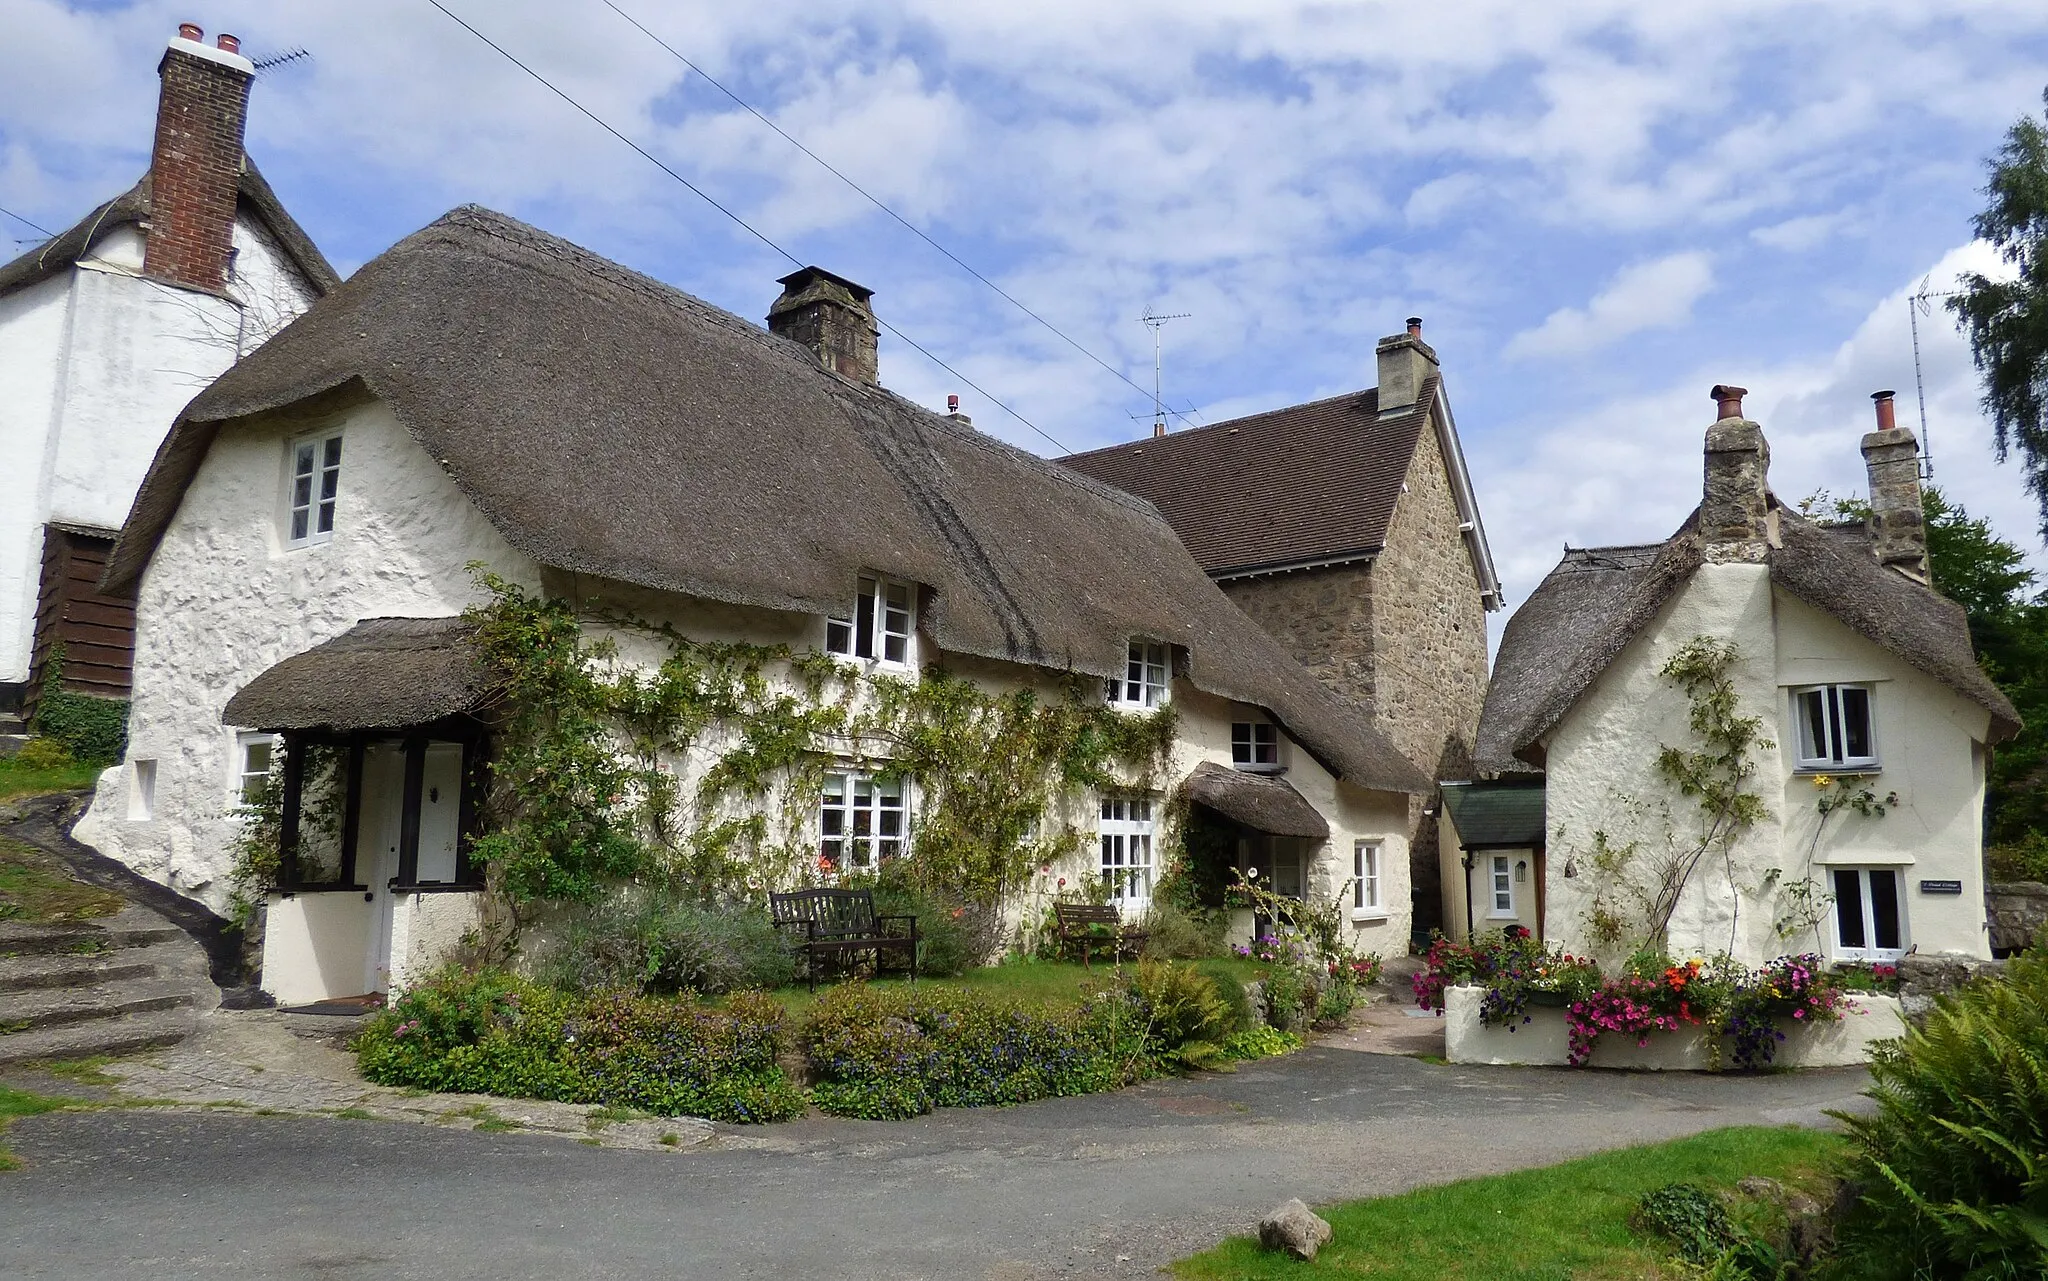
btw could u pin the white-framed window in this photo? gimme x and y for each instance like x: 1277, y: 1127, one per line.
x: 1836, y: 727
x: 860, y: 821
x: 254, y: 754
x: 312, y: 488
x: 141, y: 790
x: 1255, y: 746
x: 1148, y: 672
x: 1366, y: 897
x: 1870, y: 917
x: 1501, y: 885
x: 880, y: 627
x: 1126, y: 832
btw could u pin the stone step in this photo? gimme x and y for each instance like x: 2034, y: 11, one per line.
x: 128, y: 928
x: 123, y: 1035
x: 61, y: 969
x: 54, y: 1007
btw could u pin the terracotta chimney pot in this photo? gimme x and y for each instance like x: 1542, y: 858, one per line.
x: 1729, y: 399
x: 228, y: 44
x: 190, y: 31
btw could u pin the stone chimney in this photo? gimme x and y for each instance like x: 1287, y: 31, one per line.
x: 195, y: 169
x: 1735, y: 504
x: 1404, y: 361
x: 831, y: 317
x: 1898, y: 527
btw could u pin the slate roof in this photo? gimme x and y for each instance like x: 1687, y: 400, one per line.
x: 383, y: 673
x: 1506, y: 814
x: 1302, y: 485
x: 1598, y: 598
x: 256, y: 199
x: 610, y: 425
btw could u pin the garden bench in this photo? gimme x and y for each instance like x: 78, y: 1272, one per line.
x: 1093, y: 925
x: 841, y: 925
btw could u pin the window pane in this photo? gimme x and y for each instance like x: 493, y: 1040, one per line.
x: 326, y: 522
x: 1884, y: 908
x: 1141, y: 809
x: 298, y: 524
x: 302, y: 461
x: 333, y: 455
x: 329, y: 482
x: 864, y: 620
x: 895, y: 649
x: 838, y: 635
x: 1241, y: 743
x: 1849, y: 909
x: 302, y: 491
x: 1834, y: 725
x: 256, y: 758
x: 1856, y: 723
x: 1813, y: 721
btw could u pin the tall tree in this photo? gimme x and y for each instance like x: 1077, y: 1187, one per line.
x: 2007, y: 320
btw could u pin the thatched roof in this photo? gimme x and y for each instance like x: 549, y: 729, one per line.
x: 383, y: 673
x: 1598, y: 598
x: 1262, y: 802
x: 610, y: 425
x: 255, y: 199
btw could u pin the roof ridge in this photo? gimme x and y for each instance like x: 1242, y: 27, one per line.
x: 1206, y: 428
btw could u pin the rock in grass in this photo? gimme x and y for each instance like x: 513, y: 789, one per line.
x: 1295, y: 1229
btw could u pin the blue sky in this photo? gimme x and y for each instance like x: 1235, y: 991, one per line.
x: 1600, y: 209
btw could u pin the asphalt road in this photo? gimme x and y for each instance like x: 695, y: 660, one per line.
x: 1108, y: 1185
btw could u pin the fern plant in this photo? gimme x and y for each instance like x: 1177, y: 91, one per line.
x: 1954, y: 1162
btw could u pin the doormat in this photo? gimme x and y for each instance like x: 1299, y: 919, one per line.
x: 345, y: 1006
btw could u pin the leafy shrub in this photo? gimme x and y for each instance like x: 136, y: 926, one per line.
x: 1954, y: 1163
x: 1335, y: 1000
x: 492, y: 1033
x: 2023, y: 860
x: 44, y: 753
x: 1186, y: 1020
x: 1174, y: 933
x: 947, y: 930
x: 1231, y: 992
x: 897, y: 1052
x: 650, y: 942
x: 94, y: 729
x: 1260, y: 1042
x: 1290, y: 994
x: 1691, y: 1216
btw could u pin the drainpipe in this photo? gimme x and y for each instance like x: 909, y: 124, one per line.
x: 1469, y: 935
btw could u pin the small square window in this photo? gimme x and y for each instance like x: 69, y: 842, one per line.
x: 1365, y: 871
x: 1835, y: 727
x: 1503, y: 887
x: 1146, y: 680
x: 879, y: 628
x: 313, y: 490
x: 1255, y: 745
x: 254, y: 756
x: 860, y: 821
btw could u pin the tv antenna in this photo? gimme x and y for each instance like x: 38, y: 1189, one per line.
x: 281, y: 58
x: 1156, y: 322
x: 1916, y: 307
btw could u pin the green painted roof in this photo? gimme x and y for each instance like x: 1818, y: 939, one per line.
x: 1500, y: 815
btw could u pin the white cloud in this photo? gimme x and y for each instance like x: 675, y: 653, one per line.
x: 1647, y: 295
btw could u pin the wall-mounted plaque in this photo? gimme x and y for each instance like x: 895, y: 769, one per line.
x: 1941, y: 887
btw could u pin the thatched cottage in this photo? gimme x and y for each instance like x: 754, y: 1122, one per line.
x: 1867, y: 761
x: 485, y: 393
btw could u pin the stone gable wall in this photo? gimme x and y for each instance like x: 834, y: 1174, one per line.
x: 1323, y: 617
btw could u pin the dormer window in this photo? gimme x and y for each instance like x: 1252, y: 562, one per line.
x: 1255, y: 746
x: 1147, y: 674
x: 879, y: 628
x: 313, y: 487
x: 1836, y: 730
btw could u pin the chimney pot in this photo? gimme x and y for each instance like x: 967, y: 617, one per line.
x: 1729, y: 399
x: 832, y: 317
x: 1415, y: 326
x: 228, y: 44
x: 1887, y: 417
x: 190, y: 31
x: 952, y: 404
x: 1158, y: 430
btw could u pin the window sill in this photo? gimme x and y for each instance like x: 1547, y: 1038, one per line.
x: 1502, y: 916
x: 1837, y: 771
x: 1369, y: 915
x: 1259, y: 769
x: 437, y: 887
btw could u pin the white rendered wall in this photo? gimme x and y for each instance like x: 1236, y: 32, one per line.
x: 224, y: 599
x: 32, y: 326
x: 1603, y: 754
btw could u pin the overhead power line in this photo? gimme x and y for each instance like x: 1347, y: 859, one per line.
x: 708, y: 199
x: 874, y: 200
x: 27, y: 223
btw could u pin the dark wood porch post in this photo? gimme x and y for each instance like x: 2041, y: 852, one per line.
x: 288, y: 833
x: 474, y: 763
x: 409, y: 819
x: 352, y: 815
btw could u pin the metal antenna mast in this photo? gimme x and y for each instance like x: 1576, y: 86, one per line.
x: 1916, y: 307
x: 1157, y: 322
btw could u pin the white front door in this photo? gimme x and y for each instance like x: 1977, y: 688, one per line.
x: 383, y: 816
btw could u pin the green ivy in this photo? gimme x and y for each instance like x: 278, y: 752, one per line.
x: 94, y: 728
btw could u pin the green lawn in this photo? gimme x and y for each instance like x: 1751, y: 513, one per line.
x: 17, y: 779
x: 1564, y: 1223
x: 35, y: 887
x: 1026, y: 981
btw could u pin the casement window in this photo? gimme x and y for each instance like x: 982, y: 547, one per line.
x: 860, y: 821
x: 1835, y: 726
x: 314, y: 484
x: 1869, y: 920
x: 1255, y: 746
x: 1501, y: 885
x: 1126, y: 832
x: 254, y: 754
x: 1366, y: 899
x: 1147, y: 675
x: 879, y: 628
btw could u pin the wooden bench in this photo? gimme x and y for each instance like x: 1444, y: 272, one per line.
x: 1093, y: 925
x: 841, y: 926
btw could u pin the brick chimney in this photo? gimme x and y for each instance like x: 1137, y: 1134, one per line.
x: 195, y: 169
x: 833, y: 318
x: 1404, y: 361
x: 1735, y: 504
x: 1898, y: 526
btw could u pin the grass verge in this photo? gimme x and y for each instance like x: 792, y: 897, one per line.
x: 14, y: 1103
x: 1027, y: 981
x: 36, y: 888
x: 17, y: 779
x: 1562, y: 1223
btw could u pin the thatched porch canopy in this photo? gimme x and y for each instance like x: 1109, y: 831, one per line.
x: 1261, y: 802
x: 383, y: 673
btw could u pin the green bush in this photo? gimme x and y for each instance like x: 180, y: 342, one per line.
x: 94, y: 729
x: 1230, y: 990
x: 44, y: 753
x: 1186, y: 1019
x: 899, y: 1051
x: 493, y: 1033
x: 655, y: 943
x: 1691, y: 1217
x: 1954, y: 1163
x: 1261, y: 1042
x: 945, y: 931
x: 1335, y: 999
x: 1173, y: 933
x: 2023, y: 860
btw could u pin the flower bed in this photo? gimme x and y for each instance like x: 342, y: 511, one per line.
x: 1716, y: 1011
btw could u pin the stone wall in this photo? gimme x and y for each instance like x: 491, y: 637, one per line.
x: 1323, y: 617
x: 2018, y: 911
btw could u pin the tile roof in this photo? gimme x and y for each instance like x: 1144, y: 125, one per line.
x: 1507, y: 814
x: 1297, y: 486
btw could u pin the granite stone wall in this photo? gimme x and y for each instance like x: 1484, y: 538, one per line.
x: 2018, y: 911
